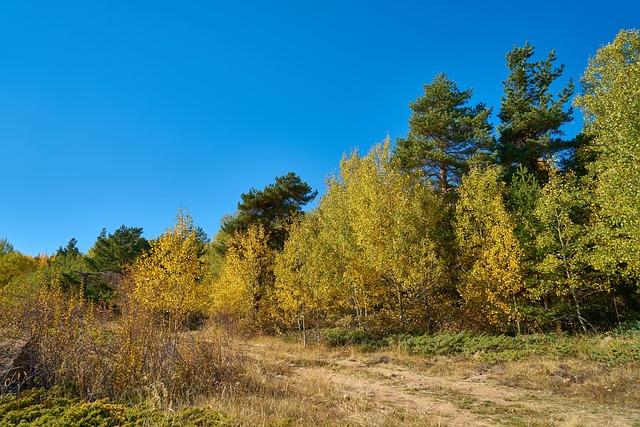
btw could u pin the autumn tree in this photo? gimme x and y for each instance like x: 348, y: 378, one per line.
x: 272, y: 208
x: 314, y: 282
x: 490, y: 254
x: 301, y: 288
x: 563, y: 244
x: 369, y: 249
x: 18, y: 279
x: 13, y: 264
x: 167, y: 278
x: 445, y: 133
x: 611, y: 105
x: 395, y: 219
x: 531, y: 116
x: 245, y: 283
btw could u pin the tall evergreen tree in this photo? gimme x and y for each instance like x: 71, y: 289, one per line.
x: 115, y: 251
x: 65, y: 266
x: 445, y: 133
x: 523, y: 194
x: 271, y: 208
x: 531, y: 116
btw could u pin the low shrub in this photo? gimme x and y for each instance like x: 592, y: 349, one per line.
x: 448, y: 343
x: 497, y: 348
x: 366, y: 341
x: 629, y: 328
x: 38, y: 407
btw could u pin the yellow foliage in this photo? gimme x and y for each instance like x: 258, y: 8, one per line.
x: 13, y: 265
x: 246, y: 278
x: 489, y: 250
x: 168, y: 278
x: 367, y: 251
x: 611, y: 105
x: 302, y: 292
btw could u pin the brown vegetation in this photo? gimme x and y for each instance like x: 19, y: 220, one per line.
x: 322, y: 386
x: 133, y: 354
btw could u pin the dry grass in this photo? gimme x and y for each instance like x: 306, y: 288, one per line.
x: 285, y: 384
x: 579, y: 379
x: 295, y: 390
x: 135, y: 357
x: 132, y: 356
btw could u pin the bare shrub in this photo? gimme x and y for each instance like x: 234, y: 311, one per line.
x: 133, y: 355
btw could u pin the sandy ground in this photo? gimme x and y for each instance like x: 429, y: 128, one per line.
x: 451, y: 399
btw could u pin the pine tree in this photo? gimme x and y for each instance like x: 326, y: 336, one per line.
x: 115, y: 251
x: 445, y: 133
x: 272, y: 208
x: 531, y: 116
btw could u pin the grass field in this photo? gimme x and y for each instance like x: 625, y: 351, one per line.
x: 350, y: 379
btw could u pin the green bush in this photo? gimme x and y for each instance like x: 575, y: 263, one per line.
x: 629, y: 328
x: 449, y: 343
x: 367, y: 341
x: 38, y: 407
x: 497, y: 348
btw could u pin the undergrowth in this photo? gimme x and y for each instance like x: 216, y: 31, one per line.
x: 608, y: 349
x: 38, y: 407
x: 134, y: 355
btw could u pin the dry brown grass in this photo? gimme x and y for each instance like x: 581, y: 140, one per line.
x: 288, y: 385
x: 285, y: 384
x: 134, y: 355
x: 272, y: 382
x: 575, y: 378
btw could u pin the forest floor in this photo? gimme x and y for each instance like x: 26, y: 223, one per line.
x: 319, y: 386
x: 285, y: 384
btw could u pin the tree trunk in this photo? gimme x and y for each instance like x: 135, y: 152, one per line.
x: 578, y: 312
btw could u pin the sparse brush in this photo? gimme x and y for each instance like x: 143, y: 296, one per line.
x: 148, y: 361
x: 135, y: 355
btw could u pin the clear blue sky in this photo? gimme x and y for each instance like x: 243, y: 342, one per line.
x: 121, y: 112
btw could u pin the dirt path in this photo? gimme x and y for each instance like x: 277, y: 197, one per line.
x: 470, y: 399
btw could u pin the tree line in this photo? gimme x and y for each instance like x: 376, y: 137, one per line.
x: 456, y: 226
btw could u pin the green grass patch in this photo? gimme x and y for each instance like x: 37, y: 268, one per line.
x: 609, y: 349
x: 38, y: 407
x: 500, y: 348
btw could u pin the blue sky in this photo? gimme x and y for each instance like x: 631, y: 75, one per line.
x: 115, y: 112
